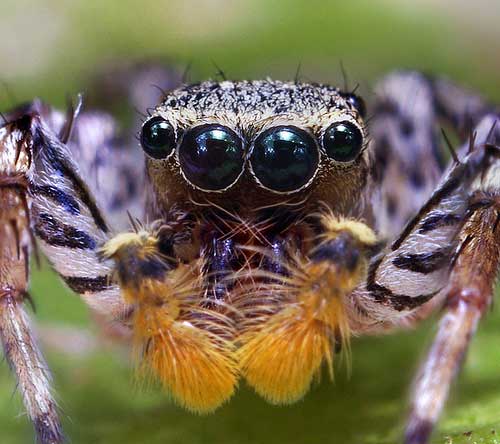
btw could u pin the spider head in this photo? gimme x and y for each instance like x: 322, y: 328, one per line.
x: 249, y: 144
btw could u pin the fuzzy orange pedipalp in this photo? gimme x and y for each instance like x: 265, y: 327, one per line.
x: 281, y: 354
x: 187, y: 346
x: 195, y: 366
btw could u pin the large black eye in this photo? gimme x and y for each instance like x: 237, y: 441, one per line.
x: 211, y: 157
x: 343, y: 141
x: 284, y: 158
x: 157, y: 138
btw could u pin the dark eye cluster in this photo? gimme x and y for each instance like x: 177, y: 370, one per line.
x: 282, y: 158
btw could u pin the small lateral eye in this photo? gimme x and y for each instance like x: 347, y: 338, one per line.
x: 357, y: 102
x: 157, y: 137
x: 343, y: 141
x: 284, y: 158
x: 211, y: 157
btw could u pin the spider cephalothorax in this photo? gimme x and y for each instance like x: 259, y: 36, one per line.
x: 266, y: 230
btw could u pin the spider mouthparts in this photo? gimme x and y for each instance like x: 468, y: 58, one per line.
x: 187, y: 346
x: 196, y: 366
x: 281, y: 354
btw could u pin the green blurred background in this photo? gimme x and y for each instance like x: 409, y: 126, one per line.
x: 51, y: 49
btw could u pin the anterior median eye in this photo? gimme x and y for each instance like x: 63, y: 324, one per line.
x: 343, y: 141
x: 211, y: 157
x: 284, y: 158
x: 157, y: 137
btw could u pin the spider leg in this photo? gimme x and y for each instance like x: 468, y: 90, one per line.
x: 468, y: 295
x: 407, y: 281
x: 61, y: 213
x: 447, y: 254
x: 408, y: 160
x: 19, y: 343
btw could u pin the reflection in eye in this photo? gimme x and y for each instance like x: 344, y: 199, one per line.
x: 343, y: 141
x: 284, y: 158
x: 211, y: 157
x: 157, y: 138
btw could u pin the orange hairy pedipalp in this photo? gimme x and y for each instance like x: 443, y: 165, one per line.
x: 187, y: 346
x: 296, y: 320
x: 281, y: 353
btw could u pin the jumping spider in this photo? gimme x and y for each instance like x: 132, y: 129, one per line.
x: 275, y: 224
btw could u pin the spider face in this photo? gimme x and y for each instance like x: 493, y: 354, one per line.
x: 249, y: 144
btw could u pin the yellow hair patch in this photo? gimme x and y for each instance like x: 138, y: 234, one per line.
x: 359, y: 230
x: 143, y: 241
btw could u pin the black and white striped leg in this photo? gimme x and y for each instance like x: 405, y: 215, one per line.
x: 67, y: 220
x: 408, y: 157
x: 408, y: 280
x: 468, y: 295
x: 16, y: 336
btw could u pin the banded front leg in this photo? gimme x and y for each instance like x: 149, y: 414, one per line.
x: 16, y: 243
x: 408, y: 155
x: 406, y: 282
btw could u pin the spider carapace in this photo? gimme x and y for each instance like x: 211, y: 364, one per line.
x: 267, y: 224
